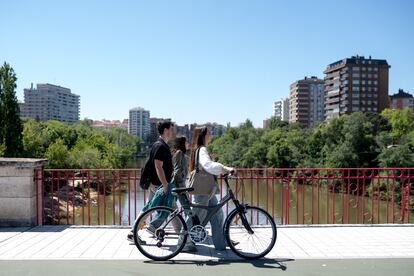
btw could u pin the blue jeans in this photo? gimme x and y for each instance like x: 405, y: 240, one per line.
x: 216, y: 221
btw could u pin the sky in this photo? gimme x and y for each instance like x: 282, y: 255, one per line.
x: 197, y: 61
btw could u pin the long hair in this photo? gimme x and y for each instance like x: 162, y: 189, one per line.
x: 198, y: 140
x: 179, y: 144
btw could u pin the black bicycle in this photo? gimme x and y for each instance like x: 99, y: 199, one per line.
x: 160, y: 233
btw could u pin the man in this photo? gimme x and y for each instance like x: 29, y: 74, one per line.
x: 162, y: 166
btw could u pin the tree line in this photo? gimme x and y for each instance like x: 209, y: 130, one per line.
x: 79, y: 145
x: 358, y: 140
x: 65, y: 146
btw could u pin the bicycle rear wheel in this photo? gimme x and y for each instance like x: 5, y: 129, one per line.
x: 160, y: 234
x: 252, y: 234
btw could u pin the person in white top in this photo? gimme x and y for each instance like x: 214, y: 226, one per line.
x: 201, y: 138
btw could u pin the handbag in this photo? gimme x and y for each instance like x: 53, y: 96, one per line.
x: 204, y: 183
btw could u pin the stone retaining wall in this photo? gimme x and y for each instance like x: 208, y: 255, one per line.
x: 18, y: 191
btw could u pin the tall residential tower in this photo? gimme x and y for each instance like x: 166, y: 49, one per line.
x: 356, y: 84
x: 139, y: 123
x: 306, y: 101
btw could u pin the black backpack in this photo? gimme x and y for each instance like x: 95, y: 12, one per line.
x: 148, y: 171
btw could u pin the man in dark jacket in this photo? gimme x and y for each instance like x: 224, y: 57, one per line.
x: 161, y: 159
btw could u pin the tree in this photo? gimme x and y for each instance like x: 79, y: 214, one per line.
x: 58, y: 155
x: 276, y: 122
x: 10, y: 123
x: 57, y: 130
x: 401, y: 121
x: 35, y: 139
x: 86, y: 156
x: 396, y: 157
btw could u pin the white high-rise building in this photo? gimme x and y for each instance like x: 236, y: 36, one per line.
x: 139, y: 122
x: 281, y: 109
x: 307, y: 101
x: 50, y: 102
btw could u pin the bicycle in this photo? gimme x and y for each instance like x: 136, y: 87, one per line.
x: 160, y: 233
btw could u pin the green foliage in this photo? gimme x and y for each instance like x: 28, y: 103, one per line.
x: 356, y: 140
x: 10, y: 124
x: 57, y: 154
x: 277, y: 123
x: 79, y: 145
x: 2, y: 149
x: 35, y: 139
x: 397, y: 157
x: 402, y: 122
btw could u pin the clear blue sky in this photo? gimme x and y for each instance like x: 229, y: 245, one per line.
x: 197, y: 61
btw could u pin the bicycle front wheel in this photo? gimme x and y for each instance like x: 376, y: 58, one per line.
x: 251, y: 234
x: 160, y: 234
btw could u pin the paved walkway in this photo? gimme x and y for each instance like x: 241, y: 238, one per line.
x: 293, y: 242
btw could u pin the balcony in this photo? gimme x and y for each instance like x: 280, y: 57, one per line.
x: 333, y: 92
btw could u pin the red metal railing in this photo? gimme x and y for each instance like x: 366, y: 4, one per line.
x: 291, y: 196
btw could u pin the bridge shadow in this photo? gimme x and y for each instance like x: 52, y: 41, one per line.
x: 260, y: 263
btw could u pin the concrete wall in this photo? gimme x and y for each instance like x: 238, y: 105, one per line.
x: 18, y: 191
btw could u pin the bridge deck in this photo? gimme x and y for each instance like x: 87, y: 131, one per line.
x: 293, y: 242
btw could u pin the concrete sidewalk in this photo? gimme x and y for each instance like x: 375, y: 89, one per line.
x: 293, y: 242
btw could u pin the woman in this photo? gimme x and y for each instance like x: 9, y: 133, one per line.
x: 180, y: 170
x: 201, y: 138
x: 180, y: 162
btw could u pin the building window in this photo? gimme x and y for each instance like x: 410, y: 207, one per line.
x: 355, y: 75
x: 355, y: 82
x: 376, y: 69
x: 355, y: 88
x: 364, y: 68
x: 355, y: 68
x: 369, y: 69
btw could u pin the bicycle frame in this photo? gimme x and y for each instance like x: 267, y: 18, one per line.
x: 212, y: 210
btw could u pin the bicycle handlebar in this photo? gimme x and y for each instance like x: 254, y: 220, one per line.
x: 230, y: 175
